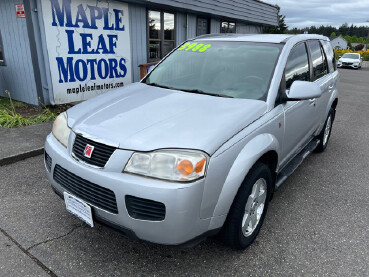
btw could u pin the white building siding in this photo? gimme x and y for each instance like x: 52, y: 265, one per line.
x: 17, y: 75
x: 339, y: 43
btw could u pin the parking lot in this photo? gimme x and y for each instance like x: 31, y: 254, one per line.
x: 317, y: 223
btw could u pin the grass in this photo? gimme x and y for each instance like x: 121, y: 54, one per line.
x: 9, y: 118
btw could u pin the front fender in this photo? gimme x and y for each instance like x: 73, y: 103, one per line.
x: 246, y: 158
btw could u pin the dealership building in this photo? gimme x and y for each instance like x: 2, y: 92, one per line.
x: 62, y: 51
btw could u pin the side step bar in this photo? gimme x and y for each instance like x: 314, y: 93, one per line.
x: 295, y: 162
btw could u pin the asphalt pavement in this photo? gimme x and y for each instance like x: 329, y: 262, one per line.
x: 317, y: 223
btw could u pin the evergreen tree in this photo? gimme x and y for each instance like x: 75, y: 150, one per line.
x: 281, y: 28
x: 353, y: 34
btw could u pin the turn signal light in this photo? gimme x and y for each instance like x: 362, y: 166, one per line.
x: 185, y: 167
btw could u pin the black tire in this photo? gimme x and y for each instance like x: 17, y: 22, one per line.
x: 323, y: 144
x: 232, y: 230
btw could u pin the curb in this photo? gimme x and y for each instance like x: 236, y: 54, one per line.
x: 22, y: 156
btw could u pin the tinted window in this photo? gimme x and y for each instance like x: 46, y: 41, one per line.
x: 330, y: 56
x: 319, y: 63
x: 233, y: 69
x: 297, y: 67
x: 325, y: 62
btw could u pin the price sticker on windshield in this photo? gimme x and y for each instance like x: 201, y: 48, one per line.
x: 194, y: 47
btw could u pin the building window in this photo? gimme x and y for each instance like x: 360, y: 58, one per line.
x: 161, y: 34
x: 203, y: 26
x: 227, y: 27
x: 2, y: 58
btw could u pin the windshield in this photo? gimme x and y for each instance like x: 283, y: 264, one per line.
x: 228, y: 69
x: 350, y: 56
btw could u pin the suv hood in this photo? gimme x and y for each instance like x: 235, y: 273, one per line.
x: 143, y: 118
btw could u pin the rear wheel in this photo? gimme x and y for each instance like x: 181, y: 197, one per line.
x: 326, y: 132
x: 249, y: 208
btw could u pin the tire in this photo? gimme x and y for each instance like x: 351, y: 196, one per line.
x: 233, y: 233
x: 323, y: 137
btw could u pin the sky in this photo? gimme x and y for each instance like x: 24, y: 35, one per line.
x: 305, y: 13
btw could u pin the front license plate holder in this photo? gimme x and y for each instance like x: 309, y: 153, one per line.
x: 79, y: 208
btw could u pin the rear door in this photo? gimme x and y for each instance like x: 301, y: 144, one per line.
x: 323, y: 78
x: 300, y: 116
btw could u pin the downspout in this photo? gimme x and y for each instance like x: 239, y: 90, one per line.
x: 33, y: 51
x: 186, y: 26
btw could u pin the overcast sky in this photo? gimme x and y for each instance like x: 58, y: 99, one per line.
x: 304, y: 13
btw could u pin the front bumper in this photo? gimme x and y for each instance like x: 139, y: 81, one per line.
x: 349, y: 65
x: 182, y: 222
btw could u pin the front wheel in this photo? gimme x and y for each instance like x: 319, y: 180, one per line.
x: 248, y: 210
x: 326, y: 132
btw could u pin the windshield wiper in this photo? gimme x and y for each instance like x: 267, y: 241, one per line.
x: 198, y: 91
x: 158, y: 85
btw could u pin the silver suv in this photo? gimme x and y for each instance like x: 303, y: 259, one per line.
x: 201, y: 143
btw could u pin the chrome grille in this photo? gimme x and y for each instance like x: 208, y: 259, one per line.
x: 100, y: 155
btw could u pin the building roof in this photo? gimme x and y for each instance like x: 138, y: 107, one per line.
x: 333, y: 38
x: 252, y: 11
x: 271, y: 38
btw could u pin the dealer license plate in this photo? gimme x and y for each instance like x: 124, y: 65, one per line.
x: 79, y: 208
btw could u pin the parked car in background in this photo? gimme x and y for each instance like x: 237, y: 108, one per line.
x: 353, y: 60
x: 201, y: 143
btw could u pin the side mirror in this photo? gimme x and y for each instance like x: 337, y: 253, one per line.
x: 340, y: 56
x: 303, y: 90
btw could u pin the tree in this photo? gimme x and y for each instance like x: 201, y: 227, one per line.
x: 353, y: 34
x: 359, y: 47
x: 333, y: 34
x: 348, y: 38
x: 281, y: 28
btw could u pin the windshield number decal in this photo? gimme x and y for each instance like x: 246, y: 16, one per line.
x: 195, y: 47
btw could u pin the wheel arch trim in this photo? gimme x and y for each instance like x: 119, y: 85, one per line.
x: 253, y: 151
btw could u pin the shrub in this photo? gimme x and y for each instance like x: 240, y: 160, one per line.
x: 366, y: 57
x: 9, y: 118
x: 359, y: 47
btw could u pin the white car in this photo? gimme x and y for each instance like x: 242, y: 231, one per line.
x: 352, y: 60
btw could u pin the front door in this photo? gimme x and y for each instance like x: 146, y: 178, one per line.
x: 300, y: 116
x: 202, y: 26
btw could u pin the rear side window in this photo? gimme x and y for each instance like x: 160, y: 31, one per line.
x: 320, y: 67
x: 297, y: 67
x: 330, y: 55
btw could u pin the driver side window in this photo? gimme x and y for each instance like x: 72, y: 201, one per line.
x: 297, y: 67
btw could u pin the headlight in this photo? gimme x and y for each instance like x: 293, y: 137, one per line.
x: 61, y: 131
x: 173, y: 165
